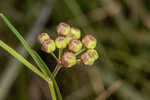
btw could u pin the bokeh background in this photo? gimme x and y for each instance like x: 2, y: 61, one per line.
x: 122, y: 29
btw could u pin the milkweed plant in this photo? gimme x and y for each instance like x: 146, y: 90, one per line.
x: 76, y: 52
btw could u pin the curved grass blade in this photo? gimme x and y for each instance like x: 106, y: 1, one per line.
x: 23, y: 60
x: 29, y: 50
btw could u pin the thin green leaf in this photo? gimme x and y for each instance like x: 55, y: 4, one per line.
x: 27, y: 47
x: 45, y: 67
x: 42, y: 66
x: 22, y: 60
x: 25, y: 44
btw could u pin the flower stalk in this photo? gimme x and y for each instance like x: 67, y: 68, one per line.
x: 55, y: 57
x: 57, y: 69
x: 82, y: 50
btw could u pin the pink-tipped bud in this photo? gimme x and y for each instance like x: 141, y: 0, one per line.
x: 89, y: 42
x: 75, y: 45
x: 48, y: 46
x: 86, y: 59
x: 89, y: 57
x: 68, y: 39
x: 61, y: 42
x: 63, y: 29
x: 43, y: 37
x: 68, y: 59
x: 75, y: 33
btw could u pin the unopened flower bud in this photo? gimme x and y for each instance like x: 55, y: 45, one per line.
x: 75, y: 45
x: 68, y: 38
x: 61, y: 42
x: 93, y: 53
x: 48, y: 46
x: 75, y: 33
x: 42, y: 37
x: 87, y: 59
x: 68, y: 59
x: 63, y: 29
x: 89, y: 42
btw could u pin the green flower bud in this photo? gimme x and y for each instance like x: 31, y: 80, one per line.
x: 68, y: 39
x: 93, y: 53
x: 75, y: 45
x: 42, y: 37
x: 48, y: 46
x: 61, y: 42
x: 68, y: 59
x: 87, y: 59
x: 63, y: 29
x: 89, y: 42
x: 75, y: 33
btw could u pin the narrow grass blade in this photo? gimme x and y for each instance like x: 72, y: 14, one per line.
x: 42, y: 66
x: 27, y: 47
x: 25, y: 44
x: 49, y: 73
x: 22, y: 60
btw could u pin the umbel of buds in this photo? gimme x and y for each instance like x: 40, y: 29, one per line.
x: 69, y: 39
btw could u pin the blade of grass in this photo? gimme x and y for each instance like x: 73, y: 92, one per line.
x: 42, y: 67
x: 22, y: 60
x: 27, y: 47
x: 49, y: 73
x: 13, y: 67
x: 25, y: 44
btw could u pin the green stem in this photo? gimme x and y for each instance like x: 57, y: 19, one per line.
x: 55, y: 57
x: 60, y: 53
x: 57, y: 69
x: 82, y: 50
x: 52, y: 90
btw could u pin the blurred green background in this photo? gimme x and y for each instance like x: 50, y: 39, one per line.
x: 122, y: 28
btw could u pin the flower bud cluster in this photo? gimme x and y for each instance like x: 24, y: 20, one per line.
x: 69, y: 38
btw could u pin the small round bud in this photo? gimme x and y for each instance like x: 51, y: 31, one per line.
x: 63, y: 29
x: 87, y: 59
x: 75, y: 33
x: 42, y: 37
x: 89, y: 42
x: 48, y: 46
x: 68, y: 59
x: 68, y: 39
x: 61, y: 42
x: 75, y: 45
x: 93, y: 53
